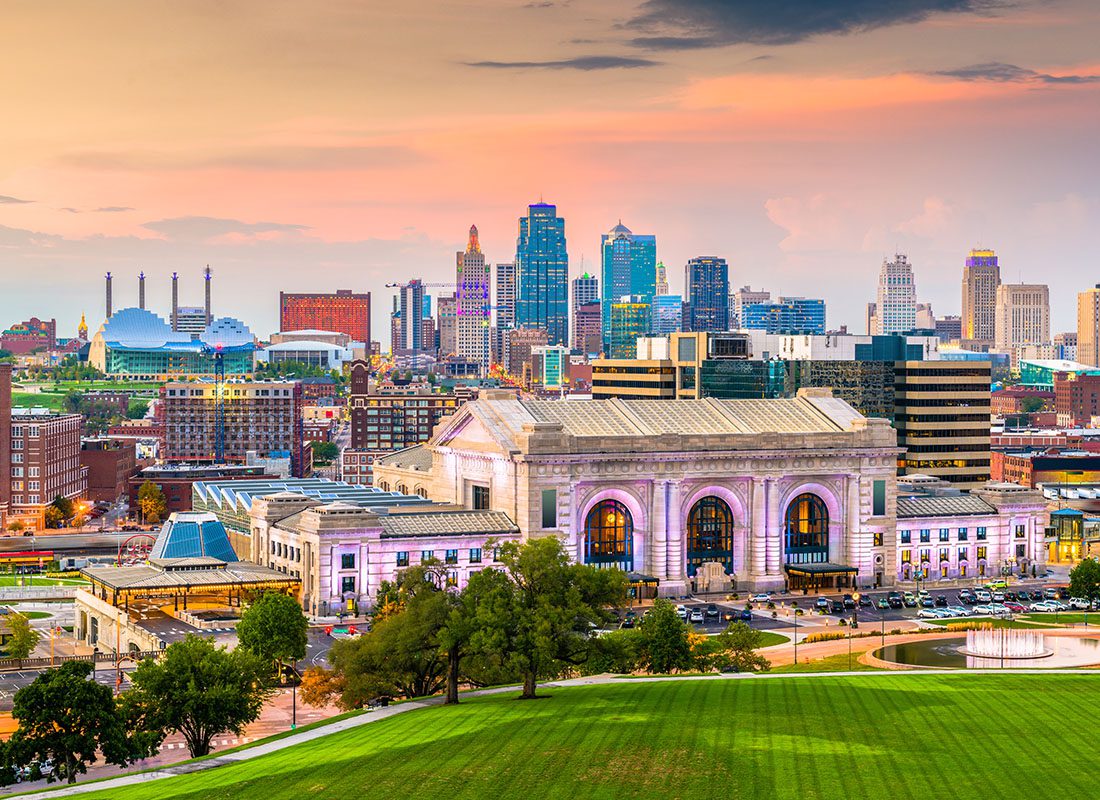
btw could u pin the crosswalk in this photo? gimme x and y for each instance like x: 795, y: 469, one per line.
x: 215, y: 743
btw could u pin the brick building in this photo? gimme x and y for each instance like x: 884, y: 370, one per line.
x: 1076, y: 399
x: 5, y: 443
x: 111, y: 463
x: 1032, y: 469
x: 45, y: 462
x: 27, y: 337
x: 262, y: 417
x: 1020, y: 399
x: 344, y: 311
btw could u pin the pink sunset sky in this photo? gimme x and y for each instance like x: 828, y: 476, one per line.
x: 316, y: 146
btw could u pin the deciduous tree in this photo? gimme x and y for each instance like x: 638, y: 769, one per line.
x: 274, y: 628
x: 1084, y: 579
x: 735, y: 648
x: 151, y: 503
x: 23, y: 638
x: 664, y: 639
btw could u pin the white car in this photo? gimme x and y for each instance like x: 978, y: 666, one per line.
x: 986, y: 611
x: 983, y: 596
x: 930, y: 613
x: 1041, y: 607
x: 696, y: 615
x: 682, y: 612
x: 761, y: 598
x: 998, y: 597
x: 1079, y: 603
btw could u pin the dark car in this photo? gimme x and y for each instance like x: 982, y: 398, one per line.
x: 1022, y: 594
x: 746, y: 615
x: 895, y: 601
x: 711, y: 612
x: 849, y: 602
x: 941, y: 600
x: 1013, y: 596
x: 836, y: 607
x: 865, y: 601
x: 927, y: 602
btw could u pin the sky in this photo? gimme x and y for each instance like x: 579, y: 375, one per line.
x: 310, y: 147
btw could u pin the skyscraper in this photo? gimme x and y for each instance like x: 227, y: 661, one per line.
x: 1088, y: 326
x: 981, y: 277
x: 745, y: 296
x: 1022, y: 314
x: 542, y: 273
x: 630, y: 319
x: 662, y: 279
x: 410, y: 310
x: 586, y: 290
x: 629, y: 265
x: 800, y: 315
x: 707, y: 285
x: 505, y: 308
x: 666, y: 314
x: 472, y: 302
x: 343, y: 311
x: 896, y: 303
x: 447, y: 325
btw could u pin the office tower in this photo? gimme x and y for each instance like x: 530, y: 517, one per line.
x: 926, y: 320
x: 506, y: 296
x: 519, y: 345
x: 5, y: 443
x: 629, y: 320
x: 542, y: 273
x: 1022, y: 315
x: 871, y: 319
x: 949, y: 329
x: 662, y: 279
x: 666, y: 314
x: 343, y: 311
x: 707, y: 286
x: 1088, y: 326
x: 447, y: 325
x: 629, y: 265
x: 745, y: 296
x: 410, y: 328
x: 803, y: 315
x: 472, y: 302
x: 896, y: 303
x: 585, y: 290
x: 981, y: 277
x: 588, y: 329
x: 1066, y: 345
x: 45, y: 462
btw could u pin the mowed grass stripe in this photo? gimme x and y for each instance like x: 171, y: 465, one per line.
x: 883, y: 736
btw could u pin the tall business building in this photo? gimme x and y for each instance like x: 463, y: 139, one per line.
x: 981, y: 277
x: 446, y: 325
x: 896, y: 302
x: 1088, y: 326
x: 800, y: 315
x: 630, y: 319
x: 585, y: 290
x: 344, y: 311
x: 472, y: 303
x: 666, y: 314
x: 629, y: 264
x: 745, y: 296
x: 661, y: 288
x: 505, y: 305
x: 588, y: 329
x: 1022, y: 315
x: 410, y: 327
x: 707, y: 286
x: 542, y: 273
x: 5, y: 443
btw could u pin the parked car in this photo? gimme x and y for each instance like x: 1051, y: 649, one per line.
x: 822, y: 603
x: 883, y: 603
x: 910, y: 601
x: 983, y: 596
x: 865, y: 601
x: 764, y: 598
x: 941, y: 600
x: 681, y: 611
x: 927, y: 602
x: 696, y: 616
x: 746, y: 615
x: 1079, y: 603
x: 712, y: 611
x: 984, y: 610
x: 849, y: 601
x: 959, y: 611
x: 998, y: 597
x: 929, y: 613
x: 836, y: 607
x: 1014, y: 607
x: 1013, y: 596
x: 894, y: 602
x: 1041, y: 607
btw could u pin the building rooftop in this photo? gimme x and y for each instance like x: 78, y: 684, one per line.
x: 141, y: 329
x: 185, y: 573
x: 447, y: 523
x: 238, y: 495
x: 963, y: 505
x: 417, y: 457
x: 189, y: 534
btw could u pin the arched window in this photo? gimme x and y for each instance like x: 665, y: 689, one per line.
x: 710, y: 534
x: 384, y: 486
x: 402, y: 488
x: 609, y: 536
x: 806, y: 539
x: 421, y: 491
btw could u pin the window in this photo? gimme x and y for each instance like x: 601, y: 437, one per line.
x: 347, y: 585
x: 878, y: 498
x: 981, y: 536
x: 945, y: 554
x: 1021, y: 550
x: 347, y: 561
x: 878, y: 539
x: 549, y: 508
x: 1021, y: 532
x: 925, y: 536
x: 906, y: 537
x: 475, y: 555
x: 807, y: 531
x: 962, y: 534
x: 481, y: 498
x: 981, y: 553
x: 906, y: 556
x: 608, y: 536
x: 452, y: 578
x: 426, y: 555
x: 710, y: 534
x: 403, y: 558
x: 451, y: 557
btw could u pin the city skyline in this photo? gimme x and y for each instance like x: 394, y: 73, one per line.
x: 802, y: 159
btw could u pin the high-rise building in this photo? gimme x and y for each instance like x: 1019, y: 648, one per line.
x: 506, y: 296
x: 926, y: 319
x: 5, y: 443
x: 629, y: 320
x: 745, y: 296
x: 344, y: 312
x: 45, y: 462
x: 707, y: 286
x: 447, y: 325
x: 473, y: 303
x: 629, y: 265
x: 410, y: 326
x: 520, y: 343
x: 662, y: 279
x: 666, y: 314
x: 542, y: 273
x: 981, y: 277
x: 896, y: 303
x: 553, y: 366
x: 588, y: 329
x: 1022, y: 314
x: 1065, y: 345
x: 804, y: 315
x: 1088, y: 326
x: 585, y: 290
x: 949, y: 329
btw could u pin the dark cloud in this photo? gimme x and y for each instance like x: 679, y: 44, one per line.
x: 586, y: 63
x: 207, y: 228
x: 70, y: 210
x: 290, y: 158
x: 692, y: 24
x: 6, y: 200
x: 998, y: 72
x: 112, y: 209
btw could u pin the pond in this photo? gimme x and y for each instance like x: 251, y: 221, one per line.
x: 949, y: 653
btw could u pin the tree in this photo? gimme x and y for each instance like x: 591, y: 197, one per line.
x: 664, y: 639
x: 23, y: 639
x: 1084, y: 579
x: 199, y: 690
x: 320, y: 686
x: 736, y: 649
x: 17, y: 527
x: 324, y: 452
x: 65, y: 506
x: 1030, y: 405
x: 66, y: 718
x: 151, y: 502
x: 537, y: 614
x: 274, y: 628
x: 52, y: 517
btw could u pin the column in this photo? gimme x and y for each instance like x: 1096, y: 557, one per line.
x: 674, y: 551
x: 657, y: 549
x: 853, y: 552
x: 758, y: 530
x: 775, y: 528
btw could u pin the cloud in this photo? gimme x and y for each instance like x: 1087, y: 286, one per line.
x: 211, y: 228
x: 931, y: 222
x: 998, y: 72
x: 261, y: 158
x: 586, y: 63
x: 70, y: 210
x: 6, y: 200
x: 692, y: 24
x: 111, y: 209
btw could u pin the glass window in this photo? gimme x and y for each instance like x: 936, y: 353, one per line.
x: 878, y: 498
x: 710, y: 534
x: 906, y: 537
x: 1021, y: 532
x: 807, y: 531
x: 963, y: 534
x: 475, y: 555
x: 906, y: 556
x: 878, y: 539
x: 481, y: 498
x: 347, y: 584
x: 451, y: 557
x: 925, y: 536
x: 945, y: 534
x: 981, y: 535
x: 549, y: 508
x: 403, y: 558
x: 609, y: 536
x: 426, y: 555
x: 347, y: 561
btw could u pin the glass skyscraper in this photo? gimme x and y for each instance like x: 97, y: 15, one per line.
x: 630, y: 319
x: 542, y: 273
x: 706, y: 279
x: 629, y: 266
x: 666, y: 315
x: 800, y: 315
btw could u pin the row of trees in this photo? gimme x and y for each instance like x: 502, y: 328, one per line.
x: 196, y: 689
x: 538, y: 617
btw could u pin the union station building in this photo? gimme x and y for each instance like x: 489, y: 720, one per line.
x: 709, y: 495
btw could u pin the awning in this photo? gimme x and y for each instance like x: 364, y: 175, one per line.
x: 637, y: 578
x: 825, y: 568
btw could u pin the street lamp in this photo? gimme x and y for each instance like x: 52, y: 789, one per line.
x: 796, y: 634
x: 294, y: 697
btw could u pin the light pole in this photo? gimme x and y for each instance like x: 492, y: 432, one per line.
x: 796, y: 635
x: 294, y: 697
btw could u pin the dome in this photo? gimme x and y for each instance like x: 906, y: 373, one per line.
x: 227, y: 332
x: 139, y: 328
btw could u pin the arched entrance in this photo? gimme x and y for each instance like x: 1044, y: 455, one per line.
x: 710, y: 534
x: 609, y: 536
x: 806, y: 546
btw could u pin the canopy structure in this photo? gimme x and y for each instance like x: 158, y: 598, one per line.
x: 821, y: 575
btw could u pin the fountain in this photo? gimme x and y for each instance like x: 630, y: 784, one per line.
x: 1011, y: 643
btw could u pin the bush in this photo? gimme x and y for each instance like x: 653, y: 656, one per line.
x: 823, y: 637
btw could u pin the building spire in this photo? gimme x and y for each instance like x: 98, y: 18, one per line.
x: 473, y: 245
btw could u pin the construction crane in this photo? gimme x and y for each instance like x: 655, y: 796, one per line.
x: 219, y: 405
x: 443, y: 285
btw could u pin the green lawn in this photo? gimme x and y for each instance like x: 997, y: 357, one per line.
x: 838, y: 663
x: 54, y: 402
x: 906, y: 737
x: 1066, y: 618
x: 34, y: 614
x: 768, y: 638
x: 39, y: 580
